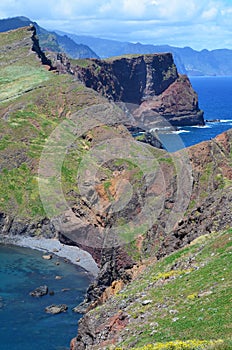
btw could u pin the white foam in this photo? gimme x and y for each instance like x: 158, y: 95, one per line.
x: 180, y: 132
x: 201, y: 126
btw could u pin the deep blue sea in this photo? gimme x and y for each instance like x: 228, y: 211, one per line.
x: 24, y: 325
x: 215, y: 99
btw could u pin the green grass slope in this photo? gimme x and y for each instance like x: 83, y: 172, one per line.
x: 33, y: 101
x: 181, y: 302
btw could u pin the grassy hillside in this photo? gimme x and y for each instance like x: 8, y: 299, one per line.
x: 180, y: 302
x: 33, y: 101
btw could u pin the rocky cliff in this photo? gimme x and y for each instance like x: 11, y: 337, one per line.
x: 149, y: 84
x: 70, y: 169
x: 208, y: 210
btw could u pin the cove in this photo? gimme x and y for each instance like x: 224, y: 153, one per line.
x: 23, y: 321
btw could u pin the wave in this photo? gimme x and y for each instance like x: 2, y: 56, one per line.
x: 226, y: 120
x: 180, y: 132
x: 202, y: 126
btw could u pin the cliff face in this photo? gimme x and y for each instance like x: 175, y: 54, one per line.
x: 178, y: 104
x: 130, y: 79
x: 208, y: 210
x: 150, y: 83
x: 119, y: 215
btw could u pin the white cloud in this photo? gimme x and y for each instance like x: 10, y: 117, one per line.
x: 210, y: 14
x: 175, y: 22
x: 135, y: 8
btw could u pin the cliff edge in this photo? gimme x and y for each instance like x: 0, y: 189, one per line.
x: 149, y: 85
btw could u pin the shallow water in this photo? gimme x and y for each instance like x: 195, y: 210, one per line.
x: 24, y: 324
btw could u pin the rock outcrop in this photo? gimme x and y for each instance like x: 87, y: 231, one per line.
x: 40, y: 291
x: 150, y: 86
x: 56, y: 309
x: 178, y: 104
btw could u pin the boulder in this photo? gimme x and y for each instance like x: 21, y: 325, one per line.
x: 56, y: 309
x: 47, y: 257
x: 40, y: 291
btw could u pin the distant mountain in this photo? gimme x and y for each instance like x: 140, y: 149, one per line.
x: 188, y: 61
x: 50, y: 41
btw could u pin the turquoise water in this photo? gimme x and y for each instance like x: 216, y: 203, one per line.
x: 24, y: 324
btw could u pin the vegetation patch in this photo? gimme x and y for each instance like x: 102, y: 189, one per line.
x: 183, y: 345
x: 183, y: 296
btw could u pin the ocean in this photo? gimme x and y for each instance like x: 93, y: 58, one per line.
x: 23, y: 321
x: 24, y: 324
x: 215, y: 99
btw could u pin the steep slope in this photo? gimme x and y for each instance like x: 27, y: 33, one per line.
x: 181, y: 302
x: 49, y: 41
x: 34, y: 99
x: 189, y: 195
x: 178, y: 297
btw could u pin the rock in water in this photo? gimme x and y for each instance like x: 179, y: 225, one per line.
x: 40, y: 291
x: 56, y: 309
x: 47, y: 257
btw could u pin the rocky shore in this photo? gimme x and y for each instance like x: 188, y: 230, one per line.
x: 73, y: 254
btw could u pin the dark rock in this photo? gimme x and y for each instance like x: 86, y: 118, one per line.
x: 81, y: 308
x: 149, y: 85
x: 177, y: 106
x: 40, y: 291
x: 151, y: 139
x: 129, y: 79
x: 36, y: 47
x: 56, y: 309
x: 10, y: 226
x: 212, y: 120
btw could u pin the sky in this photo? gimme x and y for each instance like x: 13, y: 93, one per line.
x: 200, y: 24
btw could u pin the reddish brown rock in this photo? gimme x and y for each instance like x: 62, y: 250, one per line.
x: 178, y: 104
x: 209, y: 210
x: 149, y: 84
